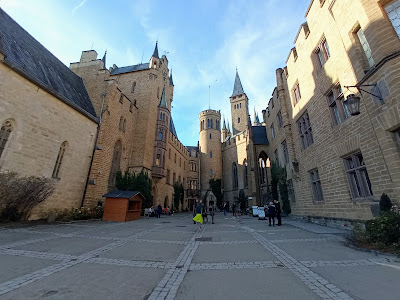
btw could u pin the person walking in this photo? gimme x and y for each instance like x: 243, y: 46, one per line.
x: 233, y: 209
x: 159, y: 211
x: 199, y: 209
x: 271, y: 213
x: 224, y: 208
x: 278, y: 212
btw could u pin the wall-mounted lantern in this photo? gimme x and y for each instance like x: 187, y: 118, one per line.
x: 353, y: 102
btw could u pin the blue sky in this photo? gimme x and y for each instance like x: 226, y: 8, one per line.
x: 205, y: 41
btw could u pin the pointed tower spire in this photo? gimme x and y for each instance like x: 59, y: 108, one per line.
x: 104, y: 59
x: 237, y: 87
x: 163, y: 100
x: 171, y: 82
x: 155, y: 53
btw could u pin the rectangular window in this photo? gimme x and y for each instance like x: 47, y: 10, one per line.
x: 357, y: 176
x: 292, y: 197
x: 272, y: 131
x: 168, y: 176
x: 393, y: 12
x: 365, y: 45
x: 296, y: 94
x: 316, y: 185
x: 339, y: 112
x: 305, y: 131
x: 280, y: 119
x: 322, y: 52
x: 285, y: 151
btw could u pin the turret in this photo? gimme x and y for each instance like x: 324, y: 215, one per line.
x: 155, y: 59
x: 239, y: 107
x: 210, y: 148
x: 224, y: 132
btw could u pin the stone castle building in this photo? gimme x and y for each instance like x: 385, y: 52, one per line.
x: 239, y: 159
x: 47, y: 121
x: 137, y: 131
x: 339, y: 165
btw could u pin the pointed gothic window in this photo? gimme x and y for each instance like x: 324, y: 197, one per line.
x: 5, y: 132
x: 115, y: 165
x: 59, y: 159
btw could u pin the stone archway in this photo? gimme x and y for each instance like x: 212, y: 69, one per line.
x: 264, y: 174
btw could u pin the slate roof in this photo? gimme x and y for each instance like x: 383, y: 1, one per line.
x: 163, y: 100
x: 259, y: 135
x: 121, y: 194
x: 29, y: 58
x: 155, y: 53
x: 128, y: 69
x: 172, y: 127
x: 171, y: 82
x: 190, y: 148
x: 237, y: 87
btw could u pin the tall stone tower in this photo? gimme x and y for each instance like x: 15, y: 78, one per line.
x: 210, y: 148
x: 239, y: 107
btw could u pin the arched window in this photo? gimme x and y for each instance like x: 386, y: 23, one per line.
x: 240, y: 105
x: 5, y: 132
x: 234, y: 106
x: 115, y: 165
x: 208, y: 123
x: 59, y: 159
x: 246, y: 183
x: 158, y: 160
x: 134, y: 87
x: 238, y: 120
x: 211, y: 123
x: 210, y: 136
x: 235, y: 176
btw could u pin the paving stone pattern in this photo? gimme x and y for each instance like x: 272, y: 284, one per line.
x: 304, y: 275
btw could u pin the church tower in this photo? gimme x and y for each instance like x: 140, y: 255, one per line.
x: 155, y: 59
x: 210, y: 148
x: 239, y: 107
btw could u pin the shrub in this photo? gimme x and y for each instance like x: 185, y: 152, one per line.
x: 384, y: 229
x: 136, y: 182
x: 279, y: 182
x: 384, y: 203
x: 66, y: 215
x: 216, y: 187
x: 19, y: 195
x: 178, y: 194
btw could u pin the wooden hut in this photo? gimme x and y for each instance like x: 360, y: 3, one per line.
x: 122, y: 206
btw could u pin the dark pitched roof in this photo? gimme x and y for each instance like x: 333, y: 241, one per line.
x: 163, y: 100
x: 155, y: 53
x: 237, y: 87
x: 171, y: 82
x: 128, y: 69
x: 121, y: 194
x: 172, y: 127
x: 259, y: 135
x: 29, y: 58
x: 190, y: 148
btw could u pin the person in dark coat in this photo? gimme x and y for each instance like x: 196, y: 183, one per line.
x: 224, y: 207
x: 278, y: 211
x: 159, y: 211
x: 233, y: 209
x: 271, y: 213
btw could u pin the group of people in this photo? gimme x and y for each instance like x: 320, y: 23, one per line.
x: 274, y: 210
x: 158, y: 211
x: 201, y: 212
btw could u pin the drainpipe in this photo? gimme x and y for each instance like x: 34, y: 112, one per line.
x: 94, y: 149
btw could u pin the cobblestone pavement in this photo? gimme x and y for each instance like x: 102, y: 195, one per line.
x: 171, y: 258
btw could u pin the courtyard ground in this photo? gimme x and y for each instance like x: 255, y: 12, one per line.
x: 171, y: 258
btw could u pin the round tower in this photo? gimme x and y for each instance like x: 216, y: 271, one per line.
x: 210, y: 148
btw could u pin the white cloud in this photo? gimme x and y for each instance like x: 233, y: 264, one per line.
x: 78, y: 6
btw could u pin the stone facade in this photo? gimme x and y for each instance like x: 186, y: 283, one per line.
x: 50, y: 133
x: 140, y: 96
x: 343, y: 43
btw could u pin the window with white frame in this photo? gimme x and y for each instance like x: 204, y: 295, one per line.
x: 365, y: 46
x: 322, y: 52
x: 393, y: 12
x: 285, y: 151
x: 339, y: 111
x: 305, y: 131
x: 316, y: 185
x: 357, y: 176
x: 292, y: 197
x: 296, y: 94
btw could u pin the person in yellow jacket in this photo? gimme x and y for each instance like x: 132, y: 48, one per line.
x: 198, y: 209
